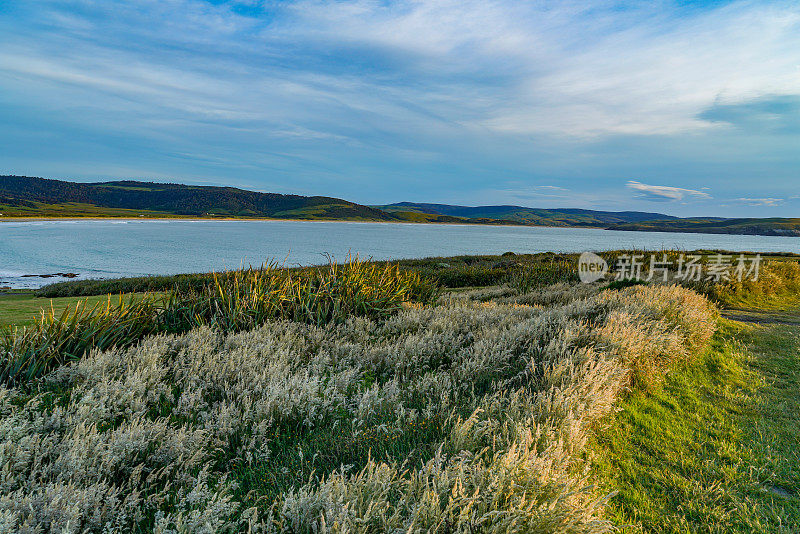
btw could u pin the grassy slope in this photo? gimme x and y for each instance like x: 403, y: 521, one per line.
x: 718, y: 448
x: 332, y: 211
x: 76, y: 209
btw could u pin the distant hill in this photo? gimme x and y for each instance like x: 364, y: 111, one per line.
x: 25, y: 196
x: 611, y: 220
x: 527, y: 216
x: 771, y: 226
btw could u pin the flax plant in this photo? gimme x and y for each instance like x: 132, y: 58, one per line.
x: 241, y: 300
x: 28, y: 352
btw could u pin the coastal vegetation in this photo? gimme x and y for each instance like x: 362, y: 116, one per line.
x: 229, y: 302
x: 451, y: 272
x: 369, y: 397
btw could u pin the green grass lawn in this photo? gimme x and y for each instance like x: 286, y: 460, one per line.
x: 718, y: 448
x: 23, y: 308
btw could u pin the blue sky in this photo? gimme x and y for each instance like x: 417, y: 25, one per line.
x: 687, y: 108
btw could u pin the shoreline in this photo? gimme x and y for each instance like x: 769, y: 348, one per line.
x: 275, y: 219
x: 465, y: 223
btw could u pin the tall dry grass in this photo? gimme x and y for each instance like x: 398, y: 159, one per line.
x: 462, y: 417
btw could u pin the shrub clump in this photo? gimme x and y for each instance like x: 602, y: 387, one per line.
x: 777, y: 279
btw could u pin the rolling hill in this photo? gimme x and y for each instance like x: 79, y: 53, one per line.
x: 523, y: 215
x: 610, y: 220
x: 25, y: 196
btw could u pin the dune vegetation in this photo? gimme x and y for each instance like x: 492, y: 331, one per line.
x: 353, y: 398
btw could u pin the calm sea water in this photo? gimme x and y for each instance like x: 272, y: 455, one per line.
x: 103, y: 249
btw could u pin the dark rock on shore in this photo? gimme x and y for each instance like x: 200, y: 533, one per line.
x: 62, y: 275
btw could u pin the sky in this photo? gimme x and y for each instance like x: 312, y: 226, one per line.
x: 678, y: 107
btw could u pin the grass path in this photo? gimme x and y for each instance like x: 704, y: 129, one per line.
x: 718, y: 448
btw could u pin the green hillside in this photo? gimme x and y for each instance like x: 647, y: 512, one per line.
x: 23, y: 196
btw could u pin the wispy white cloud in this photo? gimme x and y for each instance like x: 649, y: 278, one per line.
x: 663, y: 193
x: 760, y: 201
